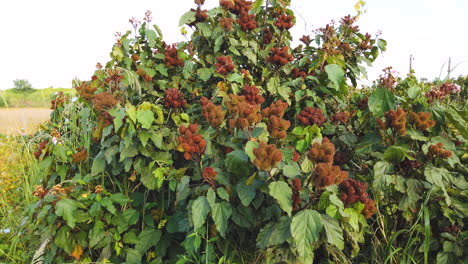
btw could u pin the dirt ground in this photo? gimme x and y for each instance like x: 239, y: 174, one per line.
x: 21, y: 120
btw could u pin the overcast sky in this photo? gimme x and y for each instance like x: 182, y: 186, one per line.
x: 50, y: 42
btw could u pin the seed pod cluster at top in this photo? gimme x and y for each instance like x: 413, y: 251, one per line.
x: 226, y: 23
x: 266, y: 156
x: 86, y: 91
x: 394, y: 119
x: 241, y: 8
x: 200, y: 16
x: 80, y: 156
x: 284, y: 21
x: 340, y: 117
x: 59, y: 101
x: 191, y: 142
x: 311, y: 116
x: 252, y: 94
x: 244, y: 114
x: 353, y: 191
x: 422, y: 120
x: 104, y: 101
x: 213, y: 114
x: 174, y: 98
x: 172, y: 57
x: 280, y: 56
x: 323, y: 152
x: 224, y: 65
x: 209, y: 176
x: 326, y: 174
x: 437, y: 151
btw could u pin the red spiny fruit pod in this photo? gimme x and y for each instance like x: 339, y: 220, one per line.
x: 396, y: 120
x: 172, y: 57
x: 252, y: 94
x: 277, y: 127
x: 363, y: 103
x: 437, y: 151
x: 209, y: 176
x: 212, y: 113
x: 226, y: 23
x: 325, y: 174
x: 421, y: 120
x: 244, y: 114
x: 369, y: 208
x: 284, y: 22
x: 191, y: 142
x: 297, y: 73
x: 247, y: 21
x: 266, y: 156
x: 322, y: 152
x: 277, y: 109
x: 59, y: 101
x: 86, y: 91
x: 340, y: 117
x: 267, y: 36
x: 174, y: 98
x: 353, y: 191
x: 224, y: 65
x: 280, y: 56
x: 104, y: 101
x: 200, y: 16
x: 310, y: 116
x: 40, y: 148
x: 80, y: 156
x: 296, y: 198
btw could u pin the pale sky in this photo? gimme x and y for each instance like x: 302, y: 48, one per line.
x: 50, y: 42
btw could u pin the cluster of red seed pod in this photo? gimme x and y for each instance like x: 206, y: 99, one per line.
x: 40, y: 148
x: 40, y: 192
x: 296, y: 198
x: 326, y: 174
x: 80, y: 156
x: 353, y: 191
x: 209, y: 176
x: 450, y: 229
x: 104, y: 101
x: 172, y: 57
x: 252, y: 94
x: 191, y: 142
x: 141, y: 72
x: 363, y: 103
x: 247, y: 21
x: 340, y: 117
x: 438, y: 151
x: 284, y: 21
x: 266, y: 156
x: 311, y: 116
x: 244, y: 114
x: 224, y: 65
x: 213, y: 114
x: 277, y: 127
x: 297, y: 73
x: 387, y: 79
x: 86, y: 91
x: 174, y: 98
x: 59, y: 101
x: 267, y: 36
x: 443, y: 91
x: 323, y: 152
x: 280, y: 56
x: 306, y: 40
x: 410, y: 165
x: 366, y: 43
x: 394, y: 119
x: 135, y: 57
x: 226, y: 23
x: 275, y: 109
x: 422, y: 120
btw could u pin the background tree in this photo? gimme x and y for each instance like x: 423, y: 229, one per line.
x: 22, y: 85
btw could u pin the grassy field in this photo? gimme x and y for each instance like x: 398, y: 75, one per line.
x: 12, y: 98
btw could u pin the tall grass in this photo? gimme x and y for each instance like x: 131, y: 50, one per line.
x: 18, y: 175
x: 30, y: 98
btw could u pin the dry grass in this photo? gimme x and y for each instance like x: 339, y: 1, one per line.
x: 14, y: 121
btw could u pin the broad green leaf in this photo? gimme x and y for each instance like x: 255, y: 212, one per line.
x: 117, y: 53
x: 221, y: 212
x: 249, y: 149
x: 272, y: 85
x: 162, y: 69
x: 99, y: 164
x: 333, y: 231
x: 145, y: 118
x: 414, y: 91
x: 223, y: 194
x: 159, y: 174
x: 245, y: 192
x: 335, y: 75
x: 305, y: 230
x: 292, y: 170
x: 147, y: 238
x: 282, y: 193
x: 211, y: 197
x: 152, y: 37
x: 66, y: 208
x: 131, y: 112
x: 200, y: 209
x: 107, y: 203
x: 251, y: 55
x: 204, y: 73
x: 274, y: 233
x: 284, y: 91
x: 187, y: 18
x: 237, y: 163
x: 458, y: 120
x: 96, y: 234
x: 438, y: 177
x: 120, y: 198
x: 380, y: 101
x: 257, y: 5
x: 395, y: 154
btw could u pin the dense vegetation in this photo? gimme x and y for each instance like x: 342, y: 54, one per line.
x: 233, y: 147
